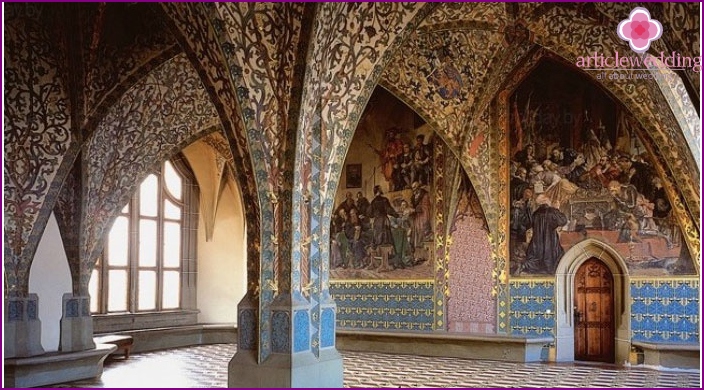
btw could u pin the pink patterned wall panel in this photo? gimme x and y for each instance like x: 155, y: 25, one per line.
x: 471, y: 308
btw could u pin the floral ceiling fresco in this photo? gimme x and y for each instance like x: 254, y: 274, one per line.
x: 579, y: 171
x: 172, y: 102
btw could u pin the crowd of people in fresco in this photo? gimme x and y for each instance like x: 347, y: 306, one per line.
x: 360, y: 228
x: 402, y: 164
x: 542, y: 186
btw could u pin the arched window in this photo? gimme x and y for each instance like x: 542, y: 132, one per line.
x: 148, y: 263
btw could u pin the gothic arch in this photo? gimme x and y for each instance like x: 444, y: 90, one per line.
x: 643, y: 99
x: 674, y: 90
x: 134, y: 136
x: 564, y: 295
x: 191, y: 26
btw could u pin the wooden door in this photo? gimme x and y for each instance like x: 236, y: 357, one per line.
x: 594, y: 312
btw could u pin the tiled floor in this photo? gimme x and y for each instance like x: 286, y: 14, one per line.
x: 206, y: 366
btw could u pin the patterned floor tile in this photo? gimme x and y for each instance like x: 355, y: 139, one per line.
x: 205, y: 366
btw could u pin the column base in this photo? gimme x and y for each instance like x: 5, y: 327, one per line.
x: 76, y: 324
x: 76, y: 334
x: 23, y: 339
x: 282, y: 370
x: 22, y: 327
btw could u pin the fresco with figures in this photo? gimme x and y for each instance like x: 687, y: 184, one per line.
x: 382, y: 225
x: 579, y: 170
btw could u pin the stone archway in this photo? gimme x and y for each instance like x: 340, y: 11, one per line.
x: 564, y: 294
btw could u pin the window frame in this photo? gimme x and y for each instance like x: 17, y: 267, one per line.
x: 133, y: 317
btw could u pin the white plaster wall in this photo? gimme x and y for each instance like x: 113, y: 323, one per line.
x: 222, y: 265
x: 50, y: 278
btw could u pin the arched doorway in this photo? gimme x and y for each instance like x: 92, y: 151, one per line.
x: 594, y: 312
x: 584, y: 331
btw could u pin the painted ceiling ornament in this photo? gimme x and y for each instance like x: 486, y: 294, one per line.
x: 639, y: 30
x: 516, y: 33
x: 446, y: 78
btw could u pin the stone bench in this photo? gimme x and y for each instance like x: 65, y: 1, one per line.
x: 488, y: 346
x: 671, y: 355
x: 122, y: 342
x: 55, y: 367
x: 153, y: 339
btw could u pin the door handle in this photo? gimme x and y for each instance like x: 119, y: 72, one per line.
x: 577, y: 315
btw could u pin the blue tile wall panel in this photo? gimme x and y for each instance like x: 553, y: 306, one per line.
x: 387, y: 305
x: 532, y: 311
x: 665, y: 311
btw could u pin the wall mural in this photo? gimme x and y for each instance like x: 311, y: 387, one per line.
x: 395, y: 153
x: 382, y: 221
x: 578, y: 171
x: 644, y: 100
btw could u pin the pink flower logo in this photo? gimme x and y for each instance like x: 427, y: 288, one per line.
x: 639, y: 30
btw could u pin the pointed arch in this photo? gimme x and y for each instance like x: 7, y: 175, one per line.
x: 675, y: 92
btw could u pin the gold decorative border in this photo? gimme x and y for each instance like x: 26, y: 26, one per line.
x: 689, y: 278
x: 525, y: 279
x: 381, y: 281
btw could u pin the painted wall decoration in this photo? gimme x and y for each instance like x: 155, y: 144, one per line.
x: 469, y: 263
x: 38, y: 145
x: 383, y: 305
x: 133, y: 40
x: 382, y: 224
x: 643, y: 98
x: 359, y: 41
x: 455, y: 282
x: 119, y: 154
x: 191, y: 24
x: 665, y: 310
x: 579, y: 170
x: 532, y: 308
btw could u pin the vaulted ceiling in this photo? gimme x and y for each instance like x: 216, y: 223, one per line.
x: 111, y: 46
x: 118, y: 43
x: 253, y: 73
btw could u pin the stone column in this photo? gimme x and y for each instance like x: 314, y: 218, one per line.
x: 298, y: 102
x: 286, y: 344
x: 76, y: 324
x: 291, y: 362
x: 23, y: 329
